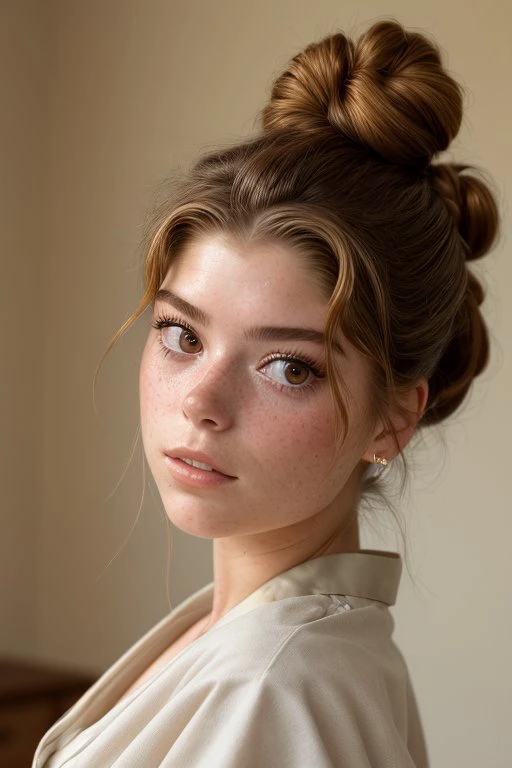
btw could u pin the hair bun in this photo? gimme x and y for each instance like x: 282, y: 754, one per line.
x: 388, y: 90
x: 471, y: 204
x: 465, y: 357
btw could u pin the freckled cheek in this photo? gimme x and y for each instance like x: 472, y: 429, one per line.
x: 154, y: 394
x: 288, y: 440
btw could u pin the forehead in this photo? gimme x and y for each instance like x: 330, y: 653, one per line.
x: 258, y: 277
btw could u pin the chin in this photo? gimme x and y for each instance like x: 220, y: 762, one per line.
x: 199, y: 518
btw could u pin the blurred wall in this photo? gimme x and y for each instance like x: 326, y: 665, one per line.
x: 103, y: 98
x: 23, y: 78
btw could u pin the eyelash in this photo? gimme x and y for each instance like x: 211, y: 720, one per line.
x: 163, y: 321
x: 292, y: 356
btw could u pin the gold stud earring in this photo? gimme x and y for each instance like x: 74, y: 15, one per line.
x: 380, y: 460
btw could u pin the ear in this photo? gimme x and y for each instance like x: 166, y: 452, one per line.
x: 383, y: 443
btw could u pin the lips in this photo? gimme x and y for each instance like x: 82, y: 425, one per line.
x: 202, y: 458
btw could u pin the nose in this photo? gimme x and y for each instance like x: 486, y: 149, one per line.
x: 210, y: 402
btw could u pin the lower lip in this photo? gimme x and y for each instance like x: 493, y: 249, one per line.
x: 193, y: 476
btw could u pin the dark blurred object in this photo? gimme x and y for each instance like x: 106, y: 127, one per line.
x: 32, y: 697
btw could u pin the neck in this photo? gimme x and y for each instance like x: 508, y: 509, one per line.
x: 242, y: 564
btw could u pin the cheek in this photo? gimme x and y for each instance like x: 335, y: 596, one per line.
x: 151, y: 389
x: 296, y: 446
x: 294, y: 436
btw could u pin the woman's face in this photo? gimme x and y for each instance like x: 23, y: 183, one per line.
x: 215, y: 380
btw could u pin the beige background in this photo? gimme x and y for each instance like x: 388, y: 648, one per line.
x: 100, y: 99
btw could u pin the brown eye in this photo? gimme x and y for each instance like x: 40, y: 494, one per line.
x: 296, y: 373
x: 288, y: 373
x: 180, y: 339
x: 188, y: 342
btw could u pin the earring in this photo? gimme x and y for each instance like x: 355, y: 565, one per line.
x: 380, y: 460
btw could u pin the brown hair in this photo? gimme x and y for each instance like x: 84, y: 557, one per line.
x: 342, y: 172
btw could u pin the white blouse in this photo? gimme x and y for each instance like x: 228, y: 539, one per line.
x: 302, y: 673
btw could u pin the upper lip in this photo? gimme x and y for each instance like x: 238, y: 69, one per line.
x: 204, y: 458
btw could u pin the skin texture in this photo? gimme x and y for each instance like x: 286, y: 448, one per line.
x: 217, y: 391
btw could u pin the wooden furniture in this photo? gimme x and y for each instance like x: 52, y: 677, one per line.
x: 32, y: 697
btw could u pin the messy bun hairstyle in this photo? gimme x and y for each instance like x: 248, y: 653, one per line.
x: 342, y: 172
x: 390, y: 93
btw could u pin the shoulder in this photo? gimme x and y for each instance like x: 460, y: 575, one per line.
x: 315, y: 634
x: 314, y: 683
x: 349, y: 651
x: 333, y: 659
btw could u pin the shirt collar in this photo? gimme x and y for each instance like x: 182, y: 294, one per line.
x: 368, y: 573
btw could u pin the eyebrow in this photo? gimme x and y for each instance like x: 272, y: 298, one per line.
x: 257, y: 333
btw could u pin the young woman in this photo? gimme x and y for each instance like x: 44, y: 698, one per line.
x: 311, y: 307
